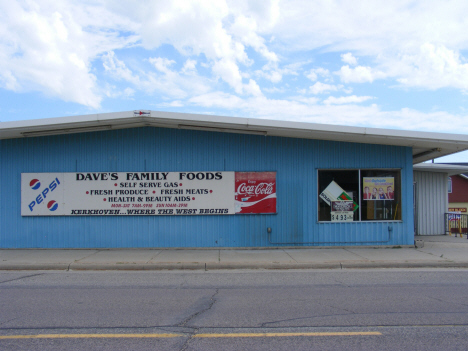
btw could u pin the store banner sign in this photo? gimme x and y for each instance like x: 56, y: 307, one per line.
x: 146, y: 193
x: 457, y: 209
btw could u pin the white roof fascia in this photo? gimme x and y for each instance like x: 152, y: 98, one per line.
x: 440, y: 168
x: 425, y: 145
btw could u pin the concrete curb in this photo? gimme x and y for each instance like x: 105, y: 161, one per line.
x: 428, y: 264
x: 136, y: 266
x: 35, y: 267
x: 227, y: 266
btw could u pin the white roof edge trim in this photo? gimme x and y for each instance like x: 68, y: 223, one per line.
x: 240, y: 121
x: 421, y: 142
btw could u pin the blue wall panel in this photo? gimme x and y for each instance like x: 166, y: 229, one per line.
x: 296, y: 162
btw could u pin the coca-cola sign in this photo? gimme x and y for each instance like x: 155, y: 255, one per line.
x: 255, y: 192
x: 259, y: 189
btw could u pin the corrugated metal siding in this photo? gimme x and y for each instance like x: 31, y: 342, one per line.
x: 432, y: 202
x: 296, y: 162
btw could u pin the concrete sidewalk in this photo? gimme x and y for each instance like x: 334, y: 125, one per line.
x: 438, y: 251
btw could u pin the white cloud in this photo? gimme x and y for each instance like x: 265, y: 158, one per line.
x: 217, y: 29
x: 359, y: 74
x: 308, y: 110
x: 174, y: 103
x: 314, y: 73
x: 167, y: 82
x: 331, y: 100
x: 218, y: 99
x: 371, y: 28
x: 118, y: 69
x: 433, y: 67
x: 228, y: 70
x: 418, y: 43
x: 44, y: 47
x: 114, y: 92
x: 245, y: 28
x: 305, y: 100
x: 349, y: 59
x: 275, y: 90
x: 272, y: 72
x: 274, y: 76
x: 252, y: 88
x: 162, y: 64
x: 320, y: 88
x: 428, y: 66
x: 190, y: 67
x: 57, y: 47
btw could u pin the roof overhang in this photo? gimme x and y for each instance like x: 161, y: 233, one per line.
x: 425, y: 145
x: 440, y: 168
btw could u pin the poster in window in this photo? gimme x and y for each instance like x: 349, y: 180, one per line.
x: 378, y: 188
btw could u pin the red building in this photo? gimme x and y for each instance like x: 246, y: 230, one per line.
x: 458, y: 192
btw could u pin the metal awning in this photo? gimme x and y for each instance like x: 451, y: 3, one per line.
x: 441, y: 168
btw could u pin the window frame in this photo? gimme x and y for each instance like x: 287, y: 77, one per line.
x: 359, y: 170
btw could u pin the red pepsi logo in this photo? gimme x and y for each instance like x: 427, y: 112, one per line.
x: 35, y: 184
x: 52, y: 205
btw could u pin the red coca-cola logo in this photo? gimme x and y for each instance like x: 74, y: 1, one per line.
x: 255, y: 192
x: 259, y: 189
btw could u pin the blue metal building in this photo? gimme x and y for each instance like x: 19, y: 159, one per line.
x: 147, y: 141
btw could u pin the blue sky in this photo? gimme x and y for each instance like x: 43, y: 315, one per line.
x: 384, y: 64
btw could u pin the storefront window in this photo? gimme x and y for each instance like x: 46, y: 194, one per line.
x: 332, y: 185
x: 359, y: 195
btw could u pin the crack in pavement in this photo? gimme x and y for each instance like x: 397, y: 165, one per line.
x: 341, y: 308
x: 23, y: 277
x: 194, y: 315
x: 82, y: 258
x: 289, y: 256
x: 445, y: 301
x: 341, y: 283
x: 184, y: 282
x: 189, y: 338
x: 432, y: 254
x: 153, y: 257
x: 351, y: 252
x: 265, y: 324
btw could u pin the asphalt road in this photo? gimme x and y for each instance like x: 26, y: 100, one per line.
x: 235, y: 310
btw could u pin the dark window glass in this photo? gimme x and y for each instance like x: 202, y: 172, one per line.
x: 347, y: 180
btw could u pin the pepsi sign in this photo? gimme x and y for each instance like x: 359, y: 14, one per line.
x: 39, y: 195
